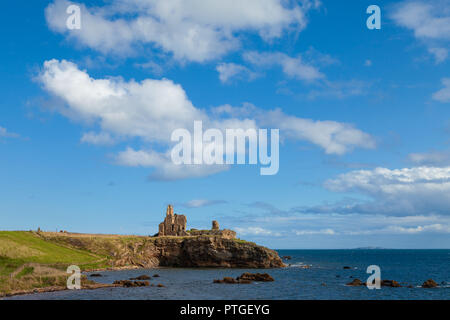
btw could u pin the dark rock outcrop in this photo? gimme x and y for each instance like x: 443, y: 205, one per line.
x: 384, y: 283
x: 246, y: 278
x: 356, y: 283
x: 263, y: 277
x: 129, y: 284
x: 430, y: 283
x: 390, y: 283
x: 143, y: 277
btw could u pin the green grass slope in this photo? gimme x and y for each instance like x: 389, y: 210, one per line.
x: 27, y: 261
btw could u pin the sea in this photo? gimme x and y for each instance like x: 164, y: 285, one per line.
x: 310, y: 275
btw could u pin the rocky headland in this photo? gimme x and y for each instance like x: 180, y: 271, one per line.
x: 171, y: 251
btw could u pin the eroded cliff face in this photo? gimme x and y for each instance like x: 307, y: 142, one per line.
x: 206, y: 251
x: 149, y: 252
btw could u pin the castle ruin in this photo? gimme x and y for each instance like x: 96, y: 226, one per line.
x: 175, y: 225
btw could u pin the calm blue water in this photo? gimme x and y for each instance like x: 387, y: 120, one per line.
x: 406, y: 266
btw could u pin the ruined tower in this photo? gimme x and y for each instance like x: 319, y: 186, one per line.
x: 173, y: 225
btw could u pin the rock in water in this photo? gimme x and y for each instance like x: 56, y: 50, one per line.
x: 262, y: 277
x: 143, y: 277
x: 430, y: 283
x: 390, y: 283
x: 129, y: 284
x: 356, y: 283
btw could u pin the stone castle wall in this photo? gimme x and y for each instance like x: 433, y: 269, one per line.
x: 226, y: 233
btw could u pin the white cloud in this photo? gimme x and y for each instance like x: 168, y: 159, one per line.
x: 150, y: 109
x: 153, y: 109
x: 151, y: 66
x: 200, y: 203
x: 433, y: 228
x: 435, y: 158
x: 334, y: 137
x: 194, y: 30
x: 430, y: 22
x: 295, y: 68
x: 256, y: 231
x: 304, y: 67
x: 314, y: 232
x: 165, y: 169
x: 4, y: 133
x: 102, y: 138
x: 443, y: 95
x: 417, y: 190
x: 440, y: 54
x: 231, y: 71
x: 339, y: 89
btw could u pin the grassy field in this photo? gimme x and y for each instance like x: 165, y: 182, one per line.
x: 27, y: 261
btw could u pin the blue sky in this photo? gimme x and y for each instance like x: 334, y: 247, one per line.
x: 364, y: 118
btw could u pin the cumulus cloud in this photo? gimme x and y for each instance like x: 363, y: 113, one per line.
x: 432, y: 228
x: 314, y: 232
x: 199, y: 203
x: 193, y: 30
x: 233, y: 71
x: 334, y: 137
x: 435, y: 158
x: 305, y: 67
x: 166, y: 170
x: 430, y: 23
x: 407, y: 191
x: 443, y: 95
x: 4, y: 133
x: 440, y: 54
x: 152, y: 109
x: 293, y: 67
x: 102, y: 138
x: 256, y: 231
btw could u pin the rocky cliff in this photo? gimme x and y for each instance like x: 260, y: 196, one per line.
x: 190, y: 251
